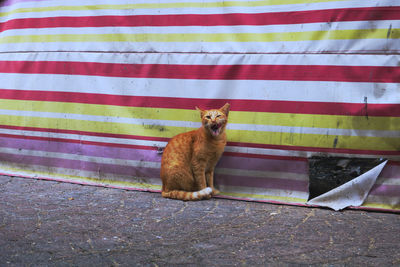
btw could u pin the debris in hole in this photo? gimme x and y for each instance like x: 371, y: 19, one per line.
x: 160, y: 149
x: 327, y: 173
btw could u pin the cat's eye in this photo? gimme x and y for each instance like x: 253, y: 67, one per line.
x: 218, y: 116
x: 208, y: 117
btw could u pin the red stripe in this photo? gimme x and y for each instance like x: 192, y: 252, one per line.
x: 393, y: 162
x: 292, y: 107
x: 264, y: 146
x: 381, y: 74
x: 233, y: 19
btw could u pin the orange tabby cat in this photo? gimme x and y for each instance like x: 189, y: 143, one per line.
x: 188, y: 161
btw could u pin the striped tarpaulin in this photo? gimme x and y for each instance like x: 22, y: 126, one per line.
x: 91, y: 91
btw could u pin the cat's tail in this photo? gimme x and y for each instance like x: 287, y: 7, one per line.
x: 184, y: 195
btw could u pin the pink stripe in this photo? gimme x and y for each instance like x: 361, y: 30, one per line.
x: 13, y: 2
x: 261, y: 182
x: 390, y: 171
x: 385, y: 190
x: 81, y: 149
x: 273, y: 165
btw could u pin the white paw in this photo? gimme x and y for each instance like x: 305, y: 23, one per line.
x: 206, y: 191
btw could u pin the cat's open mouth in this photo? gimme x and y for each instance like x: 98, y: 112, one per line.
x: 215, y: 129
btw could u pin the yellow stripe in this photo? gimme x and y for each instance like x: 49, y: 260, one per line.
x: 264, y: 197
x: 219, y: 4
x: 273, y: 138
x: 101, y: 110
x: 317, y: 121
x: 315, y: 140
x: 381, y: 206
x: 240, y: 117
x: 212, y: 37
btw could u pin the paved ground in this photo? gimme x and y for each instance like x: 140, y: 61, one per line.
x: 46, y: 223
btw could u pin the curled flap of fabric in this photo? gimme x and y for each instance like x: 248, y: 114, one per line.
x: 352, y: 193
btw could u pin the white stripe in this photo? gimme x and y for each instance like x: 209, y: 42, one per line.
x: 363, y: 46
x: 388, y: 181
x: 326, y: 46
x: 312, y: 130
x: 82, y: 137
x: 308, y: 27
x: 345, y: 92
x: 207, y: 59
x: 264, y: 151
x: 192, y: 125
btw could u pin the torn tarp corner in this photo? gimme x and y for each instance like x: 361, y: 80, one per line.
x: 352, y: 193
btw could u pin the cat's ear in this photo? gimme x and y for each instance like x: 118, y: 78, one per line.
x: 201, y: 111
x: 225, y: 109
